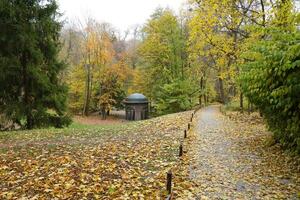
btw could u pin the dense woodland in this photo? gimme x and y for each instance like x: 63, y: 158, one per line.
x: 245, y: 51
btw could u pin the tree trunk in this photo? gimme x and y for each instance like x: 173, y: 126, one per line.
x: 87, y: 90
x: 263, y: 13
x: 200, y: 100
x: 201, y: 91
x: 204, y: 89
x: 242, y: 101
x: 103, y: 113
x: 249, y: 107
x: 222, y: 94
x: 26, y: 90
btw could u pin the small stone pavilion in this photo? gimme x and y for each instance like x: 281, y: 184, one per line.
x: 136, y: 107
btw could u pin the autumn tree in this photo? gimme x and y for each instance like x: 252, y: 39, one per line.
x: 112, y: 88
x: 132, y: 47
x: 162, y: 53
x: 99, y: 53
x: 218, y: 31
x: 212, y: 41
x: 99, y: 81
x: 96, y: 52
x: 32, y: 93
x: 71, y: 51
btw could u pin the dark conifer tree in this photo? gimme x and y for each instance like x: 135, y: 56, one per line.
x: 31, y: 91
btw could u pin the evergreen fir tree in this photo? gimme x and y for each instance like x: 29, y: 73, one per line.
x: 31, y: 92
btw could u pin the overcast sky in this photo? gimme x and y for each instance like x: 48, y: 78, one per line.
x: 122, y: 14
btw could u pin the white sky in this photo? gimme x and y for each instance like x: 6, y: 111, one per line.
x: 122, y: 14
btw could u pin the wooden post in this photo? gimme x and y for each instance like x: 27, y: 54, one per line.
x: 191, y: 119
x: 185, y: 135
x: 180, y: 150
x: 169, y: 182
x: 189, y: 126
x: 192, y: 115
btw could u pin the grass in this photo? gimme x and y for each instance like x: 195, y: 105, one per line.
x: 74, y: 130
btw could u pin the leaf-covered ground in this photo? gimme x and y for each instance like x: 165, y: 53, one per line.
x: 127, y: 161
x: 231, y: 158
x: 225, y: 157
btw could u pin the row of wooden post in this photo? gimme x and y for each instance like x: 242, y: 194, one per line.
x: 169, y: 173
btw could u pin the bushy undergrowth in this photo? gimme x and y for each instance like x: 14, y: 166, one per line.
x: 271, y: 80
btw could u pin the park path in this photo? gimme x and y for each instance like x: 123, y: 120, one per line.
x: 232, y: 161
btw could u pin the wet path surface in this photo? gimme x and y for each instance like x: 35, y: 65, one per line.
x: 231, y: 161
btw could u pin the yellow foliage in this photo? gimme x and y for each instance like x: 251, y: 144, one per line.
x: 212, y: 35
x: 76, y: 83
x: 97, y: 53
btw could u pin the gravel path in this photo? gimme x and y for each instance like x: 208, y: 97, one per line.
x: 232, y: 161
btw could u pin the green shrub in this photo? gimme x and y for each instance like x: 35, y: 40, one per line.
x: 60, y: 121
x: 271, y: 81
x: 175, y: 97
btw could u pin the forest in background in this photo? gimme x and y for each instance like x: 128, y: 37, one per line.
x: 225, y: 51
